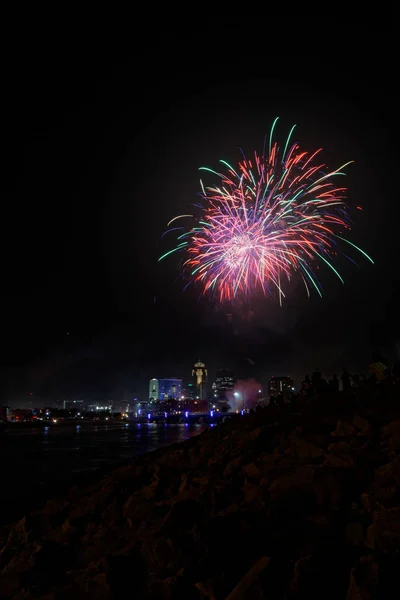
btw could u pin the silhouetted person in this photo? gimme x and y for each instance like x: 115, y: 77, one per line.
x: 334, y: 384
x: 316, y: 378
x: 378, y: 369
x: 346, y: 380
x: 356, y: 381
x: 323, y: 386
x: 306, y: 386
x: 396, y: 372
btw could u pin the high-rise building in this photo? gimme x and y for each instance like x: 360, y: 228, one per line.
x: 100, y: 407
x: 280, y: 385
x: 224, y: 383
x: 154, y: 390
x: 74, y: 405
x: 199, y: 372
x: 170, y: 388
x: 190, y: 392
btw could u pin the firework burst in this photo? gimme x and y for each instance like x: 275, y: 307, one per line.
x: 276, y: 214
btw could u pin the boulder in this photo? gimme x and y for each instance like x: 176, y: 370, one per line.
x: 343, y: 429
x: 384, y: 533
x: 305, y: 450
x: 364, y: 579
x: 293, y: 490
x: 251, y: 471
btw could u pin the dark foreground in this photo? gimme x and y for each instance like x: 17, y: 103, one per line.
x: 304, y: 498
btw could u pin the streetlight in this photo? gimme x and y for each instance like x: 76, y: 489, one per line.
x: 239, y: 395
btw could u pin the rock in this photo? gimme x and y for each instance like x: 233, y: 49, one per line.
x: 304, y: 449
x: 173, y: 459
x: 161, y: 556
x: 18, y: 565
x: 253, y: 435
x: 394, y: 442
x: 292, y: 489
x: 184, y: 483
x: 369, y: 503
x: 231, y: 510
x: 148, y: 491
x: 16, y: 542
x: 338, y: 460
x: 340, y: 448
x: 74, y: 493
x: 251, y: 471
x: 300, y: 571
x: 215, y: 466
x: 55, y: 507
x: 355, y: 533
x: 343, y: 429
x: 363, y: 580
x: 389, y: 473
x: 124, y: 567
x: 384, y: 533
x: 387, y: 497
x: 98, y: 588
x: 360, y: 423
x: 391, y: 429
x: 385, y: 487
x: 252, y: 495
x: 183, y: 514
x: 232, y: 467
x: 200, y: 482
x: 328, y: 488
x: 66, y: 528
x: 22, y: 530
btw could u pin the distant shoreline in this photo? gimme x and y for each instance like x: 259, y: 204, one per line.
x: 6, y: 426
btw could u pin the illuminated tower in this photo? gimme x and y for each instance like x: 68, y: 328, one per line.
x: 199, y: 371
x: 153, y: 390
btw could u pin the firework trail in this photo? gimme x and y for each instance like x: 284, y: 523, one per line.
x: 276, y: 214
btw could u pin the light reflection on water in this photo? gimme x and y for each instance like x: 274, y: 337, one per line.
x: 38, y: 459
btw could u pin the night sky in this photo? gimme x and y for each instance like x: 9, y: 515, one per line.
x: 103, y: 148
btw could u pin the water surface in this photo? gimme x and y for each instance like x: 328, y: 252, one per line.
x: 38, y: 462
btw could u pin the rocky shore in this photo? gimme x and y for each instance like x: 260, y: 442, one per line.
x: 284, y: 503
